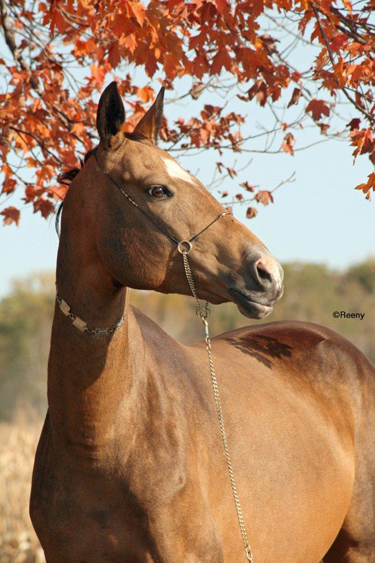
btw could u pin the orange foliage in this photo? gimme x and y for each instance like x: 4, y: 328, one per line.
x: 47, y: 113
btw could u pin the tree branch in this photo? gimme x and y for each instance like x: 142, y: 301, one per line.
x: 10, y: 40
x: 370, y: 117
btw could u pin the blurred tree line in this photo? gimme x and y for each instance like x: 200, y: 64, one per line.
x: 312, y: 293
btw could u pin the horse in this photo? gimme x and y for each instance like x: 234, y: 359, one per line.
x: 130, y: 466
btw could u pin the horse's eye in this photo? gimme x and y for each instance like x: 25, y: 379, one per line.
x: 158, y: 192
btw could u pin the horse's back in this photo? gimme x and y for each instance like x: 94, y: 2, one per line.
x: 298, y: 365
x: 306, y: 350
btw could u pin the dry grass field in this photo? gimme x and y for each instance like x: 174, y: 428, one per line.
x: 18, y: 542
x: 312, y: 293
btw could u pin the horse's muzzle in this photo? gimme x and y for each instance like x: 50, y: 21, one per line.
x: 261, y: 288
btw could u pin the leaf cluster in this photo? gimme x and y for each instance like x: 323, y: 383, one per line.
x: 61, y: 53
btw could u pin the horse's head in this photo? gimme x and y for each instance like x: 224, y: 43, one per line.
x: 228, y: 261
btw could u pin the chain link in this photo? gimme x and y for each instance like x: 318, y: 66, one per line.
x: 64, y: 307
x: 203, y: 313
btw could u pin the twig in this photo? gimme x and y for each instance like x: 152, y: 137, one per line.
x: 234, y: 201
x: 39, y: 141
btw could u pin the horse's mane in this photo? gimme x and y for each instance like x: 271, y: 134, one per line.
x: 66, y: 178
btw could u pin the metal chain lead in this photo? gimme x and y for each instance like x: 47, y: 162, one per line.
x: 203, y: 313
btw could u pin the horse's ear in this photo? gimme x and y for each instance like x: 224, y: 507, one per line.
x: 110, y: 116
x: 150, y: 123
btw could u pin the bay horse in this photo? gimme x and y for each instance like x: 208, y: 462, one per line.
x: 130, y: 465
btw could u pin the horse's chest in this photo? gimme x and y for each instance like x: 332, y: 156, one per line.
x: 153, y: 511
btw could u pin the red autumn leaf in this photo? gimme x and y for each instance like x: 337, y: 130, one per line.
x: 323, y: 127
x: 368, y: 145
x: 251, y: 212
x: 239, y: 197
x: 11, y: 215
x: 366, y: 187
x: 114, y: 55
x: 139, y: 12
x: 247, y: 186
x: 98, y: 72
x: 259, y: 91
x: 175, y: 4
x: 363, y: 141
x: 295, y: 97
x: 130, y: 43
x: 9, y: 185
x: 78, y: 129
x: 31, y: 192
x: 224, y: 194
x: 221, y: 60
x: 146, y: 94
x: 222, y: 6
x: 44, y: 206
x: 264, y: 197
x: 57, y: 21
x: 288, y: 144
x: 317, y: 109
x: 354, y: 124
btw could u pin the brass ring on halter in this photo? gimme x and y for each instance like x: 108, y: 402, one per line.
x: 184, y: 247
x: 203, y: 313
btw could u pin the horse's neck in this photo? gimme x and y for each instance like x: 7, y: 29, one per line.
x: 91, y: 378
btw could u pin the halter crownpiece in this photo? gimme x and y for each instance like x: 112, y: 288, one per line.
x: 184, y: 247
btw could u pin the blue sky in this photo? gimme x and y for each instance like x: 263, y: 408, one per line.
x: 318, y: 218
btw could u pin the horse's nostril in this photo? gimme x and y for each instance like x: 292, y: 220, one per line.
x: 268, y: 273
x: 264, y: 274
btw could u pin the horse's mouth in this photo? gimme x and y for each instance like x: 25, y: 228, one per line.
x: 249, y: 307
